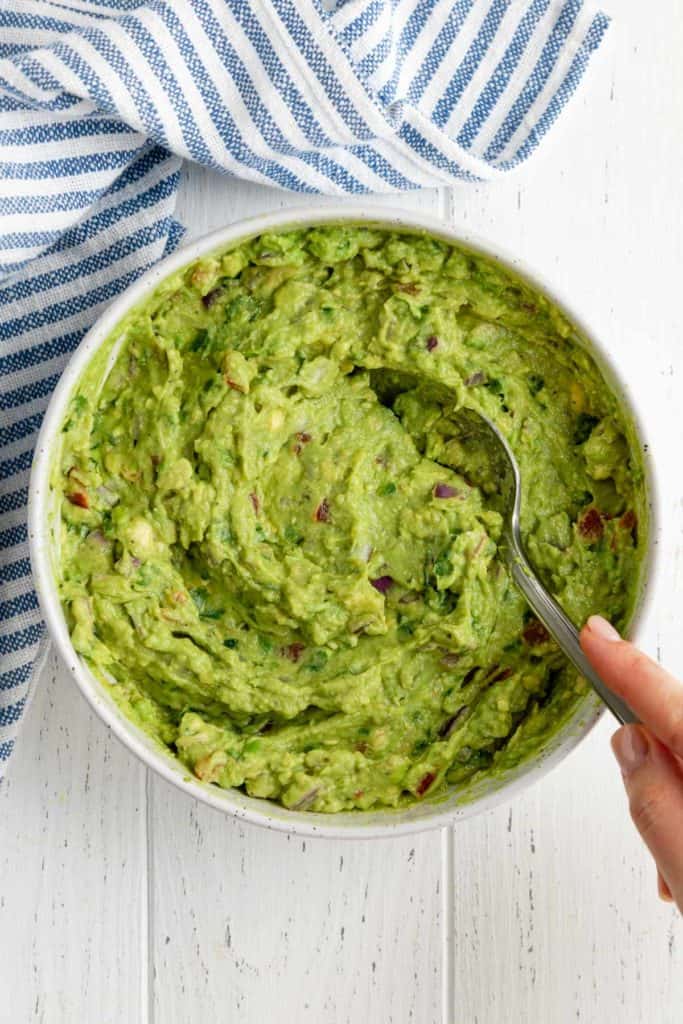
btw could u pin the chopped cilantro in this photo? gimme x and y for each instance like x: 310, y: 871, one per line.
x: 317, y: 661
x: 535, y: 382
x: 442, y: 566
x: 584, y: 427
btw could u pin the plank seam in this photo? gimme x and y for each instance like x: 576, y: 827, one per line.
x: 148, y: 929
x: 447, y: 927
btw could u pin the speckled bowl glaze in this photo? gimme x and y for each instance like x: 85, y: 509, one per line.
x: 43, y: 517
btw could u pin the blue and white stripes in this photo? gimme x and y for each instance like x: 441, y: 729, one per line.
x: 45, y: 309
x: 101, y: 99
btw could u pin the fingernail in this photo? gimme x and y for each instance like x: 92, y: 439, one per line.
x: 602, y: 628
x: 630, y: 745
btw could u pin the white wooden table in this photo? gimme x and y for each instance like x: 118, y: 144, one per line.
x: 122, y: 900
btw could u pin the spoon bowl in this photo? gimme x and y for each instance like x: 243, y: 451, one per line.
x: 496, y: 472
x: 477, y: 430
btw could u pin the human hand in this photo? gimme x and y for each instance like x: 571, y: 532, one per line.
x: 650, y: 755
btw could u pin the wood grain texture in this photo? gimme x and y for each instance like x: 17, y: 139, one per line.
x: 555, y: 916
x: 122, y: 900
x: 72, y: 868
x: 256, y: 925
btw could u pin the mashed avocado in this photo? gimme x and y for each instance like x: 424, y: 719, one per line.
x: 280, y: 555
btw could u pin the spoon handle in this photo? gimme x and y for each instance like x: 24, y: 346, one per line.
x: 564, y: 631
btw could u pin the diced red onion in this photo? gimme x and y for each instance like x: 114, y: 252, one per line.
x: 322, y: 513
x: 383, y: 583
x: 447, y: 728
x: 79, y: 499
x: 445, y: 491
x: 211, y: 297
x: 306, y: 800
x: 108, y: 496
x: 293, y: 651
x: 424, y: 783
x: 450, y: 659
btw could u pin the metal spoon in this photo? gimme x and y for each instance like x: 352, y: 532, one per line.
x: 477, y: 429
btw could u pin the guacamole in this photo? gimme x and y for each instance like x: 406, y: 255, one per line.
x: 281, y: 556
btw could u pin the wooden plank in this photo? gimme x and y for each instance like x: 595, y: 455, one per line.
x: 256, y: 925
x: 73, y: 865
x: 555, y: 915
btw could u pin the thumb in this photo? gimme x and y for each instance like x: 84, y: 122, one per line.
x: 654, y: 783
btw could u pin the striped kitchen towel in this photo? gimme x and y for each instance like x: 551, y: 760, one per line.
x: 101, y: 100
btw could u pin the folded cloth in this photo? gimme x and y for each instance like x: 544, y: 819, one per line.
x: 101, y: 100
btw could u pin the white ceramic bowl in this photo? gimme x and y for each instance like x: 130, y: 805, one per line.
x: 43, y: 514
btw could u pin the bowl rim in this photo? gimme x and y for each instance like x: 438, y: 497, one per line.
x: 355, y: 824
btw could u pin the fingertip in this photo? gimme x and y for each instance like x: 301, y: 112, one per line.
x: 599, y: 628
x: 663, y: 889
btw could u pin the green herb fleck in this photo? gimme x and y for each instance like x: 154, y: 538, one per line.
x: 494, y: 385
x: 406, y: 627
x: 443, y: 566
x: 199, y: 596
x: 317, y: 662
x: 200, y: 342
x: 535, y: 382
x: 212, y: 613
x: 584, y: 427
